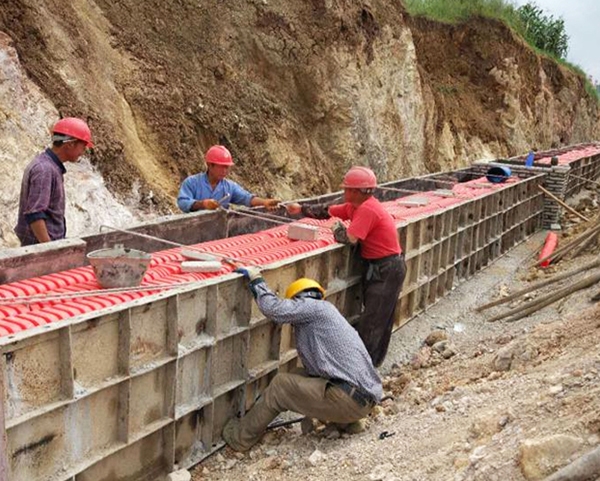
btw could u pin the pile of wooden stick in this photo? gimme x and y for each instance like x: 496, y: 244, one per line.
x: 576, y: 246
x: 547, y: 299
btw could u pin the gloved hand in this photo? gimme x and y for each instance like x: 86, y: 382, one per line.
x: 339, y: 232
x: 210, y: 204
x: 249, y: 272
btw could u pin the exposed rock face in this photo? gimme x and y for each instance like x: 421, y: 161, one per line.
x: 299, y: 91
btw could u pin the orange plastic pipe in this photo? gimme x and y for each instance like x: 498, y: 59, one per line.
x: 549, y: 246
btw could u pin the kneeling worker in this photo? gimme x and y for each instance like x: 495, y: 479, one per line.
x: 211, y: 189
x: 339, y: 385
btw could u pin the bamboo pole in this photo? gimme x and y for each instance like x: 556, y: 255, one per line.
x: 583, y: 178
x: 33, y: 299
x: 276, y: 219
x: 560, y: 202
x: 538, y: 285
x: 408, y: 191
x: 567, y: 247
x: 537, y: 304
x: 223, y: 257
x: 584, y: 467
x: 584, y: 245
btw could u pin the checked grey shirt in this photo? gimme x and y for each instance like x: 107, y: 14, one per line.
x: 328, y: 346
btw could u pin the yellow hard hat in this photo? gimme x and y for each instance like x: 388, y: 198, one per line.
x: 302, y: 284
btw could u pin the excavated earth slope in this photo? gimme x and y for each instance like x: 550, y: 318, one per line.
x: 297, y: 90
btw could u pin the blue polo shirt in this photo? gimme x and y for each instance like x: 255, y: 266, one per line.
x: 197, y: 187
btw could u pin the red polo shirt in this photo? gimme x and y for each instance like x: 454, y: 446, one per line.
x: 372, y: 225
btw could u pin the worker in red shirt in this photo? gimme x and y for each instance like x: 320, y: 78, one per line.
x: 374, y: 230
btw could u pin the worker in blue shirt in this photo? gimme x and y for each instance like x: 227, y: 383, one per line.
x: 211, y: 190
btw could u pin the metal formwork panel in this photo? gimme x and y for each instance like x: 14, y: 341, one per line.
x: 263, y: 352
x: 194, y: 381
x: 165, y: 373
x: 34, y: 374
x: 193, y: 437
x: 225, y: 407
x: 145, y: 460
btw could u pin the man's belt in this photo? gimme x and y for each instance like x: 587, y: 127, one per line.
x: 360, y: 397
x: 383, y: 260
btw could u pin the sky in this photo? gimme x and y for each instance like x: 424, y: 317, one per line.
x: 581, y: 24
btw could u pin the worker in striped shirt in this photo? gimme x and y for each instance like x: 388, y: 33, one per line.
x: 338, y: 383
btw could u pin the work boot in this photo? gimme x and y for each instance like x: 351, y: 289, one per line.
x: 231, y: 435
x: 353, y: 428
x: 308, y: 425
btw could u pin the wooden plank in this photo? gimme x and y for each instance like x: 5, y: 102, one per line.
x: 4, y: 472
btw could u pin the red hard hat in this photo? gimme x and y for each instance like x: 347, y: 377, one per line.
x: 75, y: 128
x: 219, y: 155
x: 359, y: 178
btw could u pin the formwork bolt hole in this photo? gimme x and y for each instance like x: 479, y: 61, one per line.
x: 9, y: 356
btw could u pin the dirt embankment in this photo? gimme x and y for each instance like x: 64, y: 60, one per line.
x: 297, y: 90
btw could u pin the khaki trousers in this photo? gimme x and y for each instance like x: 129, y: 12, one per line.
x: 314, y: 397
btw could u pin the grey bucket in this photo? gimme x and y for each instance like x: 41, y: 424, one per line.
x: 119, y: 266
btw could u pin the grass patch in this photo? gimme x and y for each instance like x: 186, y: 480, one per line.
x: 457, y: 11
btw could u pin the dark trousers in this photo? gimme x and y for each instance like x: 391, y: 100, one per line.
x: 382, y: 282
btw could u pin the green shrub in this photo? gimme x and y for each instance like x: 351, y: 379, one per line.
x: 541, y: 31
x: 544, y: 31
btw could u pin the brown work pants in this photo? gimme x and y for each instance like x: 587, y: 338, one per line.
x: 382, y: 283
x: 314, y: 397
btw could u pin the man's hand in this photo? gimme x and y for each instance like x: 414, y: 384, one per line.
x: 205, y: 204
x: 271, y: 204
x: 249, y: 272
x: 339, y: 232
x: 210, y: 204
x: 294, y: 208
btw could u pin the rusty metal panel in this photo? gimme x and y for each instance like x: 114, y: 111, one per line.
x: 193, y: 439
x: 151, y: 399
x: 95, y: 351
x: 192, y: 312
x: 148, y: 333
x: 33, y: 375
x: 233, y: 307
x: 225, y: 407
x: 193, y: 381
x: 229, y: 361
x: 263, y: 348
x: 142, y: 460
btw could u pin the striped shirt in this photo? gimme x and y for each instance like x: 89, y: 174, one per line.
x: 42, y: 197
x: 197, y: 187
x: 328, y: 346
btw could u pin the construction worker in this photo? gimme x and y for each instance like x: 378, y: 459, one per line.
x: 338, y: 384
x: 42, y: 200
x: 211, y: 190
x: 373, y: 228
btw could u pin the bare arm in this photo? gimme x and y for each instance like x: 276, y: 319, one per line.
x: 261, y: 201
x: 40, y: 231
